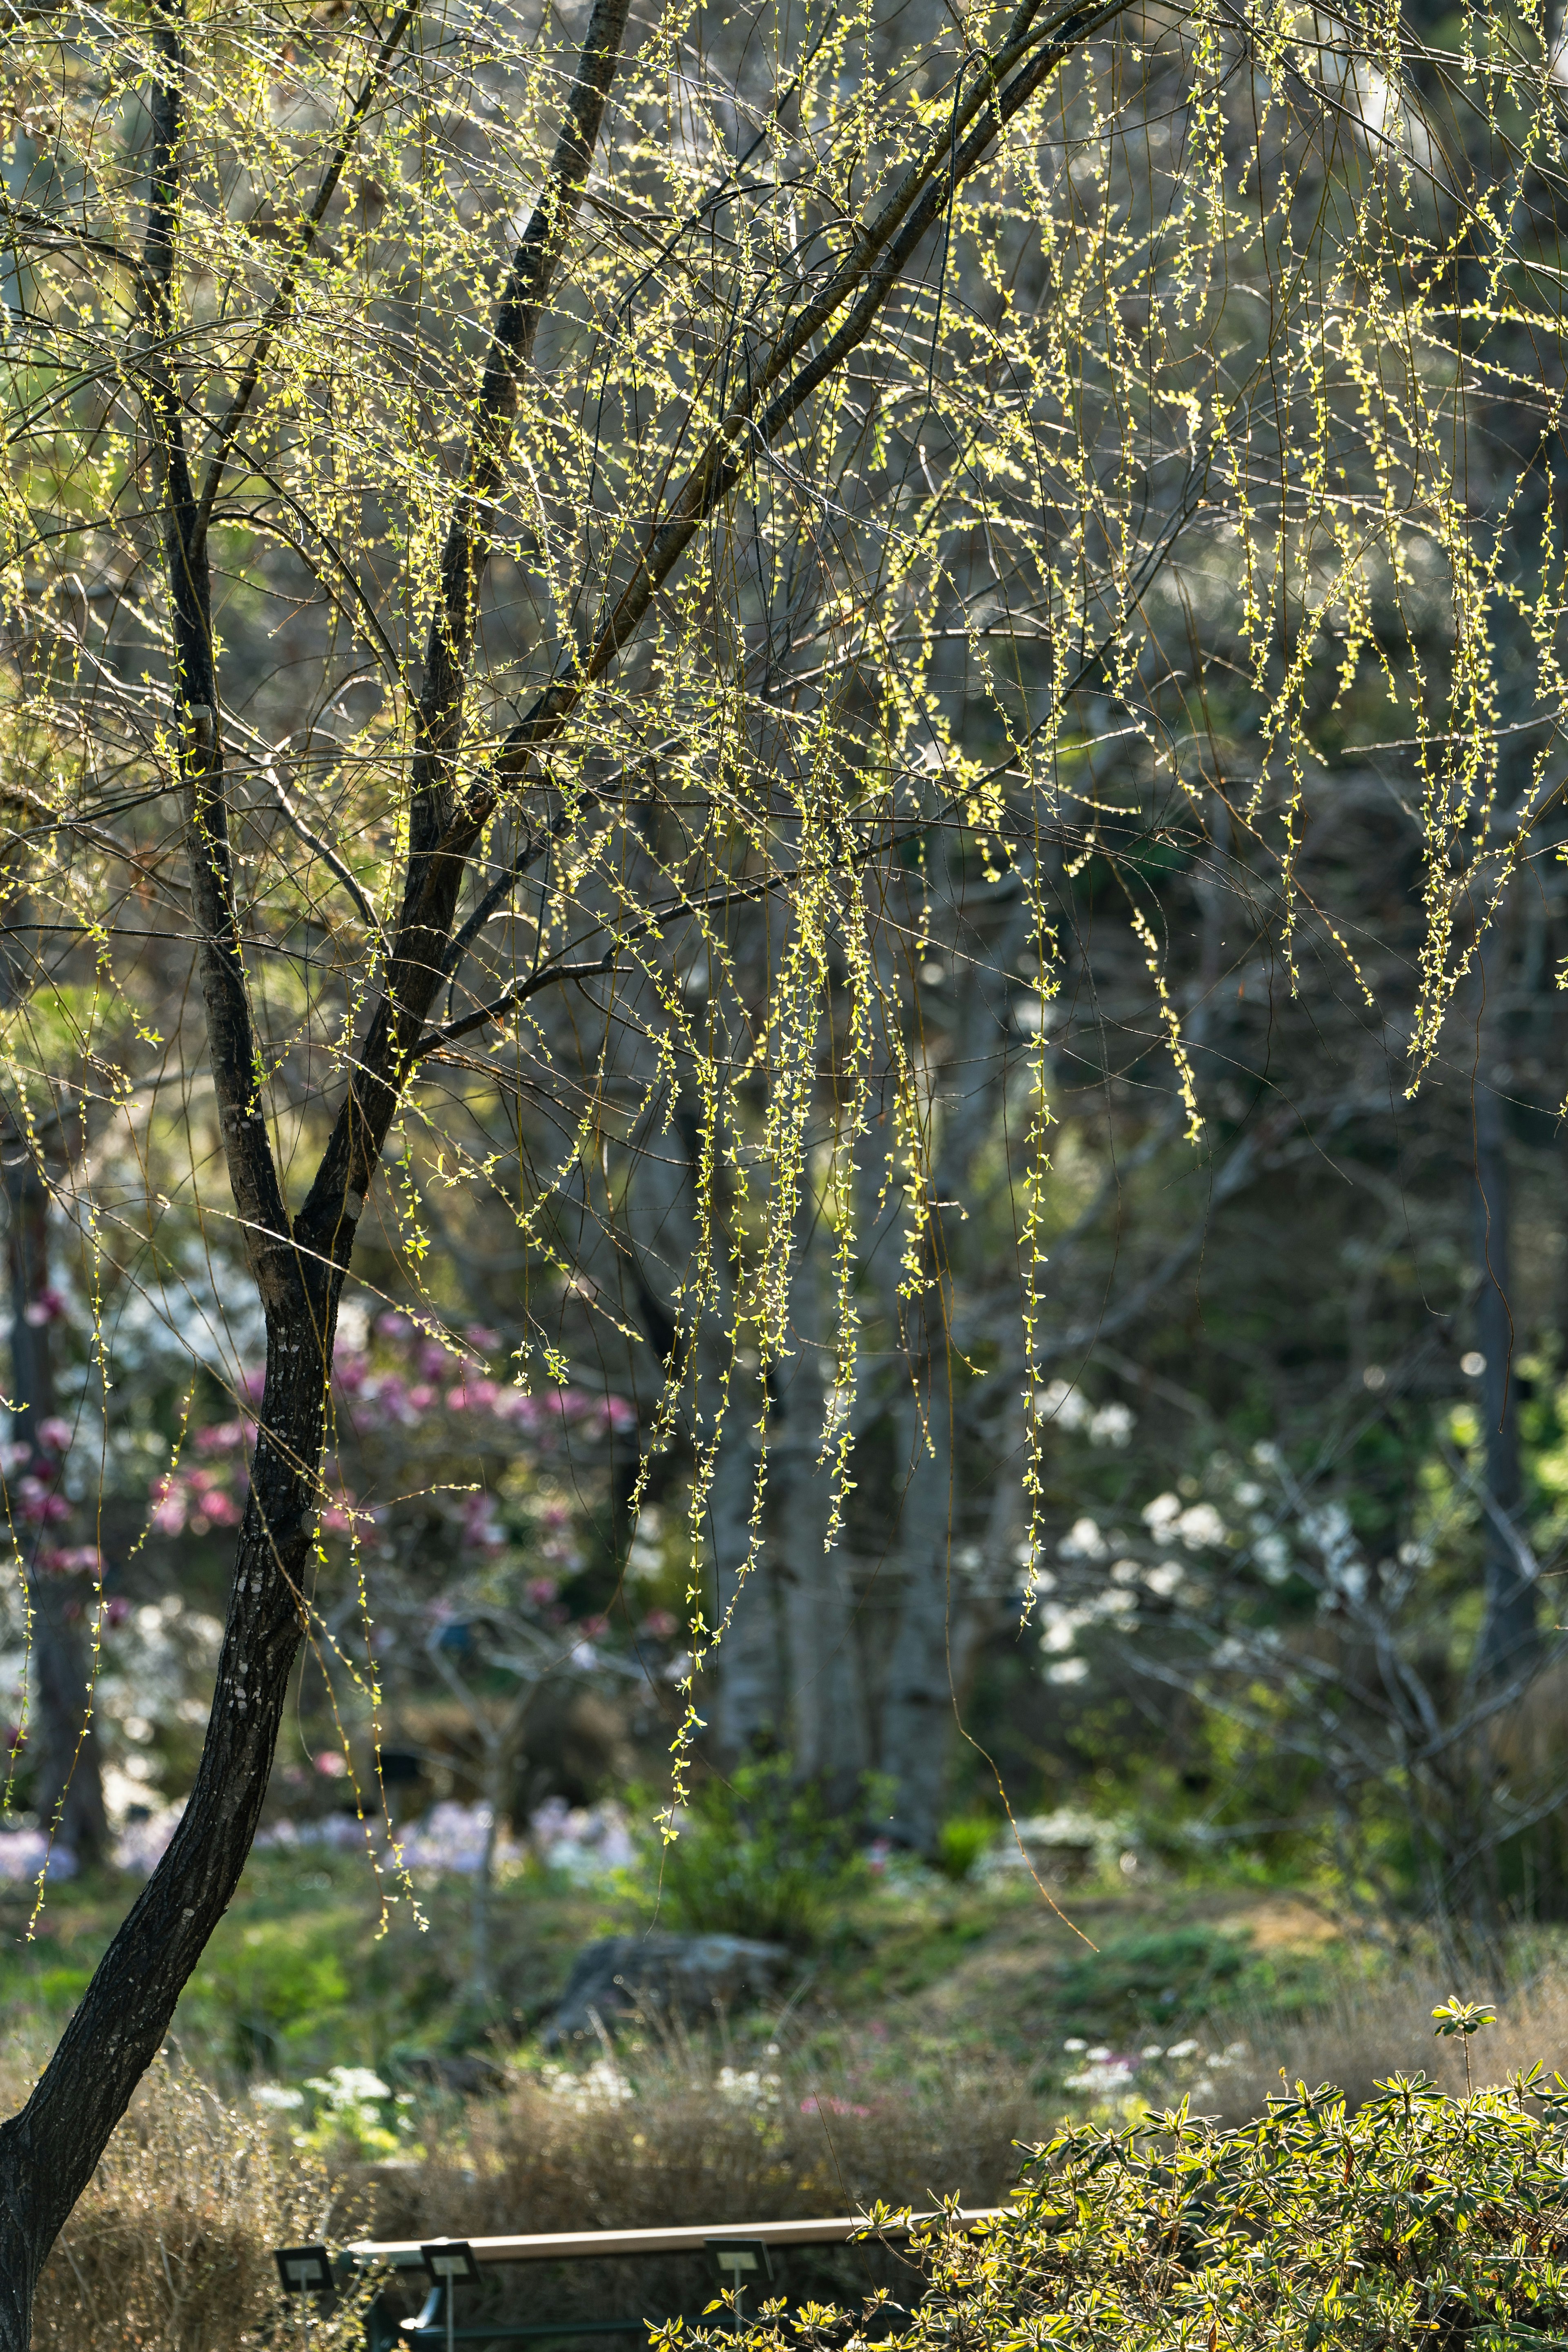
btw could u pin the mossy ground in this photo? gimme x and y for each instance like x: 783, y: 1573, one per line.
x: 311, y: 1969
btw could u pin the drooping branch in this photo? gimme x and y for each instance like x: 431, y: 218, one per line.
x: 864, y: 281
x: 442, y: 834
x: 467, y: 545
x: 231, y: 1041
x: 300, y: 243
x: 440, y: 844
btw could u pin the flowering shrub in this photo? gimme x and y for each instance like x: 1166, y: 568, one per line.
x: 357, y: 2115
x: 23, y: 1852
x: 1132, y: 2081
x: 402, y: 1386
x: 452, y: 1838
x: 476, y: 1555
x: 584, y: 2089
x: 339, y: 1833
x: 587, y: 1844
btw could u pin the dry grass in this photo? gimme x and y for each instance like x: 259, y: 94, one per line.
x: 171, y: 2248
x: 660, y: 2135
x: 170, y: 2251
x: 1381, y: 2025
x: 701, y: 2140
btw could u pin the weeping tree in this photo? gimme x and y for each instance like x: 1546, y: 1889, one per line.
x: 551, y: 552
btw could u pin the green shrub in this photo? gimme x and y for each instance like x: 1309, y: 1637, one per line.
x: 758, y: 1855
x: 263, y: 1988
x: 1144, y: 1980
x: 1422, y: 2220
x: 961, y: 1842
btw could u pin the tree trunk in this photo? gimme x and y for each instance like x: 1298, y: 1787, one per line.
x: 828, y: 1712
x: 67, y: 1781
x: 49, y: 2151
x: 919, y: 1707
x: 750, y: 1704
x: 1510, y: 1635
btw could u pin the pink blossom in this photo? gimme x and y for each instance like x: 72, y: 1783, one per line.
x: 610, y: 1412
x: 117, y: 1610
x: 393, y: 1327
x: 594, y: 1626
x: 542, y: 1589
x: 350, y: 1372
x: 221, y: 1438
x: 72, y: 1559
x: 483, y: 1339
x: 37, y: 1505
x: 252, y: 1384
x: 431, y: 1359
x: 422, y: 1396
x: 388, y: 1391
x: 56, y: 1433
x: 331, y: 1764
x: 48, y: 1307
x: 658, y: 1624
x: 519, y: 1407
x: 480, y: 1525
x: 824, y: 2103
x: 222, y: 1510
x: 168, y: 1513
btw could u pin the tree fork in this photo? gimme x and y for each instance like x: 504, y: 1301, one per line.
x: 49, y: 2150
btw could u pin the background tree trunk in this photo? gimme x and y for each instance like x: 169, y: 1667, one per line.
x: 67, y: 1778
x: 1510, y: 1636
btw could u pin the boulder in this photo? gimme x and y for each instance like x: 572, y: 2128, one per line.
x: 470, y: 2075
x: 669, y: 1976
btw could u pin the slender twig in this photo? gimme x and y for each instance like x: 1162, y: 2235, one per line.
x: 282, y: 301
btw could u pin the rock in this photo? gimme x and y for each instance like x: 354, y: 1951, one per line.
x: 684, y: 1976
x: 471, y: 2076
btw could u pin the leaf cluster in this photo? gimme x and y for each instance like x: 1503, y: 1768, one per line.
x: 1419, y: 2220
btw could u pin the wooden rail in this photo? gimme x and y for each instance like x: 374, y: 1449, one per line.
x: 585, y: 2245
